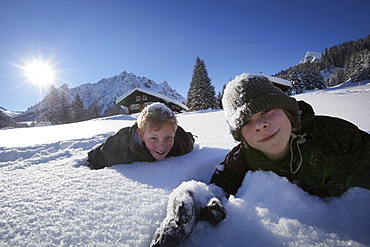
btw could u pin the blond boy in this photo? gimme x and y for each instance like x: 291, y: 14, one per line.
x: 155, y: 136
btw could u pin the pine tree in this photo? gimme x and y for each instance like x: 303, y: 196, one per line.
x: 219, y: 98
x: 77, y: 112
x: 49, y: 109
x: 201, y: 94
x: 55, y: 107
x: 358, y: 65
x: 63, y: 109
x: 336, y: 77
x: 297, y: 85
x: 305, y: 79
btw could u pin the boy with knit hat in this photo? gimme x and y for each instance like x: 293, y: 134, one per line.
x: 323, y: 155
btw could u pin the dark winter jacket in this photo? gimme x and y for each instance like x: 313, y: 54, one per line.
x: 335, y: 156
x: 125, y: 147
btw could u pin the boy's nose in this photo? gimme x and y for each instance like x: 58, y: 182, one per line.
x: 260, y: 125
x: 161, y: 146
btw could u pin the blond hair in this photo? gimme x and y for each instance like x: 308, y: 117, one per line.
x: 154, y: 116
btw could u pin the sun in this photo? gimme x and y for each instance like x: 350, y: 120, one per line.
x: 39, y: 73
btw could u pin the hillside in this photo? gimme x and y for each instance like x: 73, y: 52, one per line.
x: 335, y: 65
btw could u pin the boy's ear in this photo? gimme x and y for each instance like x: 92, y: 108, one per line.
x: 138, y: 131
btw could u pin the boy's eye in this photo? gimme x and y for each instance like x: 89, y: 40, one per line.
x: 153, y: 138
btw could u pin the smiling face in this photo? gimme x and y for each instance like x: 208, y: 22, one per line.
x: 268, y: 132
x: 159, y: 141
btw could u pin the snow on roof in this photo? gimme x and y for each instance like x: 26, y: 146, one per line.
x: 278, y: 80
x: 271, y: 78
x: 164, y: 97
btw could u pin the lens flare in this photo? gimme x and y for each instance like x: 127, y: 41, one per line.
x: 39, y: 73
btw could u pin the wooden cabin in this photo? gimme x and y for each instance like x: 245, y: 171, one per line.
x: 136, y: 99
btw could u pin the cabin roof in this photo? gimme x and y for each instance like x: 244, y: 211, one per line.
x: 147, y: 91
x: 278, y: 80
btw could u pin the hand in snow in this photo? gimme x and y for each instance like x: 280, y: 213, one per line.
x: 188, y: 203
x: 214, y: 212
x: 178, y: 223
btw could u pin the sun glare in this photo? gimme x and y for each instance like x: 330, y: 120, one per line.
x: 39, y: 73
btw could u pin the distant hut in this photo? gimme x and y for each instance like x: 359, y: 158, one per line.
x: 278, y: 82
x: 136, y: 99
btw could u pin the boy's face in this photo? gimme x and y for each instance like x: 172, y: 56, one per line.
x: 269, y: 132
x: 159, y: 141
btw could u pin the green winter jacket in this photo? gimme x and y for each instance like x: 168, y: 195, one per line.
x: 125, y: 147
x: 328, y: 156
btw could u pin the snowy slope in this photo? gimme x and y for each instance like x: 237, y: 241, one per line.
x: 49, y: 197
x: 10, y: 113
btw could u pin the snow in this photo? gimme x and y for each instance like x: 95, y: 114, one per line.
x: 48, y: 196
x: 311, y: 56
x: 160, y: 107
x: 278, y: 80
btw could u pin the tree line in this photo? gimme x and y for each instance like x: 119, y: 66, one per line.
x: 55, y: 108
x: 58, y: 108
x: 347, y: 61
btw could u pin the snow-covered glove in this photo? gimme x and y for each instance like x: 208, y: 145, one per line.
x: 179, y: 220
x: 188, y: 203
x: 214, y: 212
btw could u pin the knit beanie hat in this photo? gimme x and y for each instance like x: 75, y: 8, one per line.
x: 249, y: 94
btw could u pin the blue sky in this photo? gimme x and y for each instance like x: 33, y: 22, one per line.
x: 87, y: 40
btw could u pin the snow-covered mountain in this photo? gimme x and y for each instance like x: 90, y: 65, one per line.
x: 10, y: 113
x: 104, y: 93
x: 311, y: 56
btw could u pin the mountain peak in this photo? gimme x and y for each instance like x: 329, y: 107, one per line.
x: 311, y: 56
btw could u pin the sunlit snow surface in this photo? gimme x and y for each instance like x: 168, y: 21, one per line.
x: 49, y: 197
